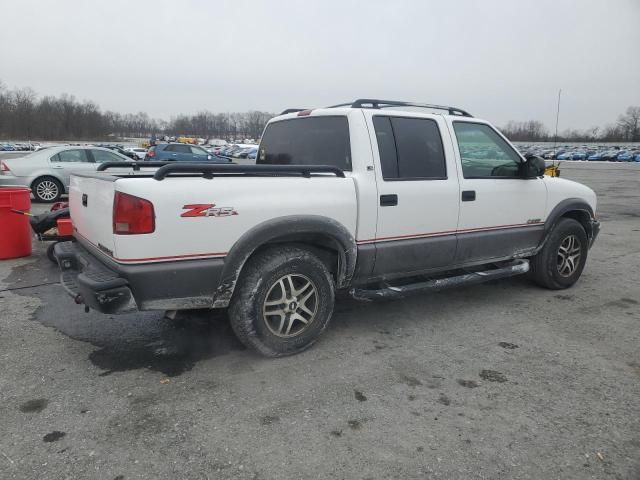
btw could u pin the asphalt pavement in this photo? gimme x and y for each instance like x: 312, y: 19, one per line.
x: 497, y: 381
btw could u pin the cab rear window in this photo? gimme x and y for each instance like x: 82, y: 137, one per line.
x: 307, y: 141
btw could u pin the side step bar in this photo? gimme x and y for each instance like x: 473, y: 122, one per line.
x: 517, y: 267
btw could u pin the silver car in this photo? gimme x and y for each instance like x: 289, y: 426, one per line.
x: 47, y: 172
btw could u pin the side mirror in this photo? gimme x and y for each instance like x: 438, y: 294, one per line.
x: 534, y: 166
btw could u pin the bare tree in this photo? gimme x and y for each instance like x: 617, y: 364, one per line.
x: 630, y: 124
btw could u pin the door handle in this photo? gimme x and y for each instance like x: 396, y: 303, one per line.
x: 57, y: 166
x: 388, y: 200
x: 468, y: 195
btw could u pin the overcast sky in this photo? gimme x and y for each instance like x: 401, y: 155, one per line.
x: 500, y: 60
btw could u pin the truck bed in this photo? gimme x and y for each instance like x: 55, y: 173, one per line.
x: 199, y: 218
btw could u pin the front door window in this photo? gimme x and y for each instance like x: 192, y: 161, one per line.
x: 484, y: 154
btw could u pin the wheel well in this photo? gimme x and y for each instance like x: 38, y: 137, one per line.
x: 325, y: 247
x: 581, y: 216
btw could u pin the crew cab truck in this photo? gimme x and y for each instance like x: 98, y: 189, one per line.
x: 378, y: 198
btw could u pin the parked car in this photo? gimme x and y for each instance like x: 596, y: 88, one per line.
x: 6, y: 147
x: 624, y: 156
x: 565, y: 156
x: 610, y: 155
x: 139, y: 153
x: 244, y: 152
x: 181, y: 152
x: 579, y: 155
x: 47, y: 172
x: 324, y: 210
x: 595, y: 156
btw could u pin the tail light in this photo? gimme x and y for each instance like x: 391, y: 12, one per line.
x: 4, y: 169
x: 132, y: 215
x: 151, y: 153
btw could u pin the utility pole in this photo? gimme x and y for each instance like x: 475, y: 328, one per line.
x: 555, y: 139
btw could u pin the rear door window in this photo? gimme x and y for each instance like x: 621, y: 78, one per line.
x: 307, y: 141
x: 409, y: 148
x: 71, y: 156
x: 181, y: 149
x: 101, y: 156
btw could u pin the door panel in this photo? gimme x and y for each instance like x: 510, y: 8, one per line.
x: 418, y: 194
x: 66, y: 162
x: 502, y: 213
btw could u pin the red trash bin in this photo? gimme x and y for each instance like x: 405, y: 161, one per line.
x: 15, y: 231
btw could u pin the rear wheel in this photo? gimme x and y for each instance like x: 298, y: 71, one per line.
x: 47, y: 189
x: 560, y: 262
x: 283, y: 301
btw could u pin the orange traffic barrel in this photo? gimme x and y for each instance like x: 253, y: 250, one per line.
x: 15, y: 231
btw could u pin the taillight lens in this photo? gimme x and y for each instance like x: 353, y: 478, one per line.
x: 3, y: 168
x: 132, y: 215
x: 151, y: 153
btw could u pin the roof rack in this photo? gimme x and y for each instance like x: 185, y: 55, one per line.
x: 208, y: 170
x: 378, y: 104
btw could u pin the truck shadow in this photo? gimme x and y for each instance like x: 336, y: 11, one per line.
x: 148, y: 340
x: 144, y: 340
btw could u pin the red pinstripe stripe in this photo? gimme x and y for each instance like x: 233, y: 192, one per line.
x: 359, y: 242
x: 446, y: 232
x: 171, y: 257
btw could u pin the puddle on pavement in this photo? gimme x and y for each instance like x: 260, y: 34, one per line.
x: 131, y: 341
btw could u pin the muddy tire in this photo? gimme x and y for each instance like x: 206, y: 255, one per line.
x: 560, y: 262
x: 283, y: 301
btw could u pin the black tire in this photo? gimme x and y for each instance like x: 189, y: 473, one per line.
x: 550, y: 268
x: 260, y: 281
x: 51, y: 254
x: 47, y: 189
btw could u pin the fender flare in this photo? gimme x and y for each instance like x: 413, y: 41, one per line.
x: 565, y: 206
x: 270, y: 230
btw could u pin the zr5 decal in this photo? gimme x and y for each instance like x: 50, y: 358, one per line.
x: 207, y: 210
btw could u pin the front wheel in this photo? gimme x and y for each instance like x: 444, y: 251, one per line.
x: 283, y: 301
x: 560, y: 262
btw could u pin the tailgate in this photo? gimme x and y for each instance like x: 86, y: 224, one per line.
x: 91, y: 204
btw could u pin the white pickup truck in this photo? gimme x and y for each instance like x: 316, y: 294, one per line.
x: 377, y: 198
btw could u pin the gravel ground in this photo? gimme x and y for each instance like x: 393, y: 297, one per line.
x: 497, y: 381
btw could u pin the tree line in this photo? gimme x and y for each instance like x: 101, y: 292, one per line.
x: 626, y: 129
x: 26, y: 116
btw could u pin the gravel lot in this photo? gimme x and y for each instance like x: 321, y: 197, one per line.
x: 498, y: 381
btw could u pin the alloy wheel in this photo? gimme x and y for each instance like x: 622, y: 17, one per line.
x: 290, y: 305
x: 569, y: 254
x: 47, y: 190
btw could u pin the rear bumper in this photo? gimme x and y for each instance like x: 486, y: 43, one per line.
x: 99, y: 282
x: 13, y: 181
x: 90, y: 282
